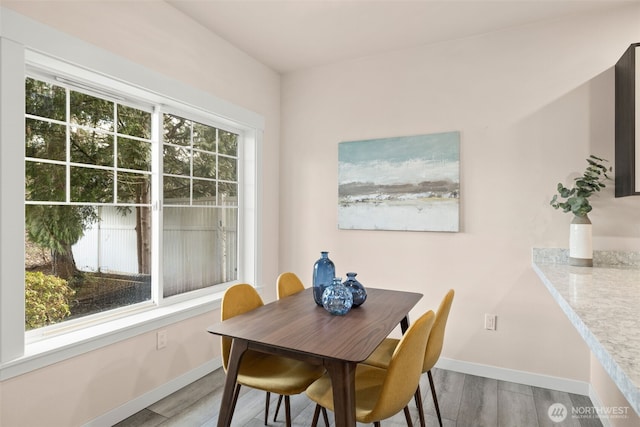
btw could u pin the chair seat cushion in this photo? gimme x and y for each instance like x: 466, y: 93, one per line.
x: 381, y: 356
x: 277, y: 374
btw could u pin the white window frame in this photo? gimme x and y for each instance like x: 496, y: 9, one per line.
x: 24, y: 41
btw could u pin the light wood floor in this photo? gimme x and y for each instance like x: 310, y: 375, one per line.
x: 465, y: 401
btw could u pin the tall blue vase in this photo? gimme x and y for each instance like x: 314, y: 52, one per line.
x: 323, y: 273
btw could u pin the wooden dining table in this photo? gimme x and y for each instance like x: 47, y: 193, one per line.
x: 298, y: 328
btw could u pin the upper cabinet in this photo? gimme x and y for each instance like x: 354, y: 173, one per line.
x: 628, y: 123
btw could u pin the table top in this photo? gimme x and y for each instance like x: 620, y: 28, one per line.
x: 603, y: 303
x: 297, y: 323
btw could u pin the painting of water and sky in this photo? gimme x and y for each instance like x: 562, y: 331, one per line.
x: 407, y: 183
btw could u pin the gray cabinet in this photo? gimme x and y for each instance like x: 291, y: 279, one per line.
x: 627, y: 153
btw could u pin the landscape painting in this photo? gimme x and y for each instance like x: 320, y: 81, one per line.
x: 409, y: 183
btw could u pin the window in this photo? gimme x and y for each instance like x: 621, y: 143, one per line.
x: 89, y: 192
x: 68, y: 65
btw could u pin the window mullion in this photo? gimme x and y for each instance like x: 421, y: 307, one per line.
x: 115, y: 153
x: 68, y: 144
x: 156, y: 203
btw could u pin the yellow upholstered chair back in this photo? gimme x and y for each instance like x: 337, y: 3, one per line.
x: 404, y: 371
x: 436, y: 338
x: 237, y: 299
x: 289, y: 284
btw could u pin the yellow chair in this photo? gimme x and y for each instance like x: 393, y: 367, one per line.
x: 288, y: 284
x: 273, y: 374
x: 381, y: 393
x: 382, y: 355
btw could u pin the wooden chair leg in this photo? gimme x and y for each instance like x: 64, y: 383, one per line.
x: 418, y: 399
x: 316, y: 414
x: 435, y: 398
x: 287, y: 411
x: 407, y: 416
x: 266, y: 408
x: 277, y: 408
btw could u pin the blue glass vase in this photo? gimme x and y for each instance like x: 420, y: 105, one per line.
x: 323, y: 274
x: 356, y: 288
x: 337, y: 299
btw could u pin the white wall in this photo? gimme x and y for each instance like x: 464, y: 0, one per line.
x: 531, y: 103
x: 162, y: 39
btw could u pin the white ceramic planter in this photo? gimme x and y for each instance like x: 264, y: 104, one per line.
x: 580, y: 242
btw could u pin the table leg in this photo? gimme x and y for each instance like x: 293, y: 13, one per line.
x: 238, y: 347
x: 404, y: 324
x: 343, y: 375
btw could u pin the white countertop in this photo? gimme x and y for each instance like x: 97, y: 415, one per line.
x: 603, y: 303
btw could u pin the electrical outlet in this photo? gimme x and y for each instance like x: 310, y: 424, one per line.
x: 490, y: 321
x: 161, y: 339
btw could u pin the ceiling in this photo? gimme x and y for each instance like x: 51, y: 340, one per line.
x: 289, y: 35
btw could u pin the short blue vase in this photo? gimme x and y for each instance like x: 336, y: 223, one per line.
x: 356, y: 288
x: 337, y: 299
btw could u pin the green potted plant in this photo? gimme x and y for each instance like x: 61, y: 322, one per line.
x: 577, y: 198
x: 576, y: 201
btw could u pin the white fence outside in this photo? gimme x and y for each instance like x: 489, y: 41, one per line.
x: 199, y: 245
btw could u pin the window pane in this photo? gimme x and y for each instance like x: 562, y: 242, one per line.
x: 204, y: 137
x: 91, y: 147
x: 45, y: 100
x: 204, y: 164
x: 176, y: 130
x: 177, y: 160
x: 134, y: 188
x: 177, y: 191
x: 228, y: 143
x: 134, y: 154
x: 45, y: 140
x: 200, y: 248
x: 204, y: 192
x: 104, y: 249
x: 91, y: 185
x: 84, y: 258
x: 45, y: 182
x: 228, y: 168
x: 90, y: 111
x: 134, y: 122
x: 228, y: 193
x: 200, y: 240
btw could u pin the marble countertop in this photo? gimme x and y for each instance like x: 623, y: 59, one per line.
x: 603, y: 303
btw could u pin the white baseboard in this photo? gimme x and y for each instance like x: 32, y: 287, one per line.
x: 139, y: 403
x: 520, y: 377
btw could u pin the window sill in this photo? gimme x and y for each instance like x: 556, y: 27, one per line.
x: 48, y: 351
